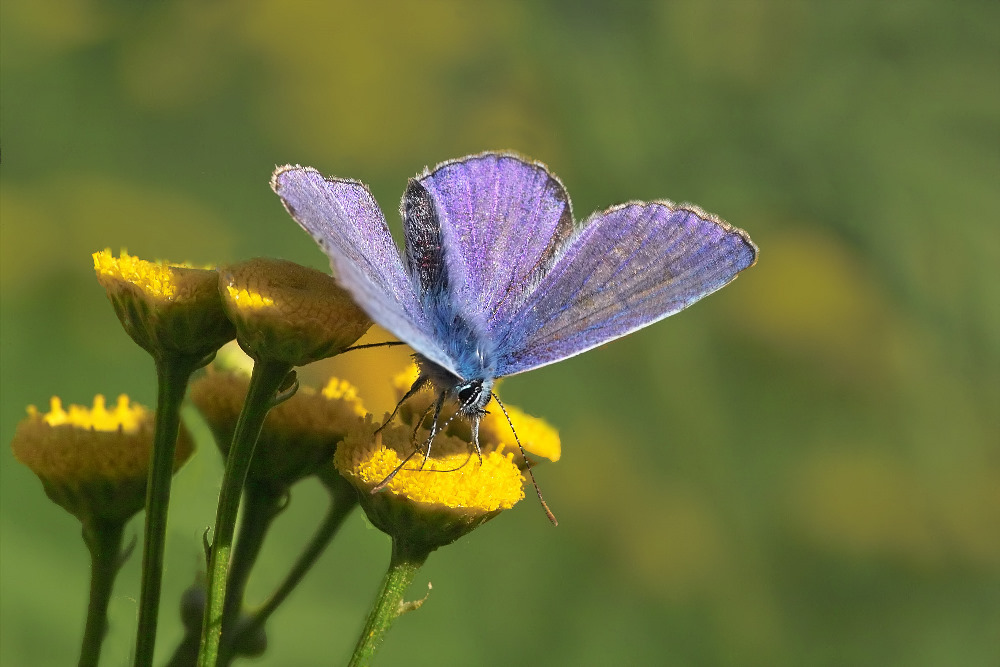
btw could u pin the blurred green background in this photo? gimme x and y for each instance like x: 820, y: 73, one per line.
x: 802, y: 470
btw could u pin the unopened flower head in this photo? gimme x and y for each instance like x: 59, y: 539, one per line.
x: 432, y: 502
x: 289, y: 313
x: 168, y: 309
x: 299, y: 435
x: 92, y: 461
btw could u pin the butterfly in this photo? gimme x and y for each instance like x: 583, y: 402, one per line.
x: 496, y: 278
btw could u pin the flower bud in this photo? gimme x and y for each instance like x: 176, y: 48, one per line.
x: 298, y: 436
x: 167, y: 309
x: 289, y: 313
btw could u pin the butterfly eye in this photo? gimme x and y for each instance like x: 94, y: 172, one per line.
x: 469, y: 393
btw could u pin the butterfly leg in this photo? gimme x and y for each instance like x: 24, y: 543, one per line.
x: 434, y: 428
x: 426, y: 449
x: 419, y: 423
x: 475, y: 437
x: 417, y: 386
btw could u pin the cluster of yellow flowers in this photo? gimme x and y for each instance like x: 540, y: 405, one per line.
x: 280, y: 311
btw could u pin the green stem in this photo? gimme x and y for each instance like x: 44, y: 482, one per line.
x: 172, y: 374
x: 389, y: 602
x: 104, y: 540
x: 264, y: 383
x: 260, y: 506
x: 343, y: 499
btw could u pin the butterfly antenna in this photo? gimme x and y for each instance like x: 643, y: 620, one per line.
x: 527, y: 461
x: 417, y: 386
x: 390, y: 343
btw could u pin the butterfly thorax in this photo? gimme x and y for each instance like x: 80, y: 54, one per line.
x: 471, y: 352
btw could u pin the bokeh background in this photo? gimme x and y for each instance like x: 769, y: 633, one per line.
x: 804, y: 469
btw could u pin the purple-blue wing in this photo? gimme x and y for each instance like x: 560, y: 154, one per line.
x: 343, y: 218
x: 502, y: 220
x: 626, y: 268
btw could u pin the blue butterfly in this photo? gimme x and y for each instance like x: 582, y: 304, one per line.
x: 496, y: 278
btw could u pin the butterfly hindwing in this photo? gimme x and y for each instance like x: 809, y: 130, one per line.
x: 502, y: 221
x: 624, y: 269
x: 424, y: 249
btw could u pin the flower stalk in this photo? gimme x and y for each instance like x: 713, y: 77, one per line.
x: 172, y: 373
x: 407, y: 557
x: 343, y: 499
x: 265, y: 381
x: 261, y: 506
x: 104, y: 540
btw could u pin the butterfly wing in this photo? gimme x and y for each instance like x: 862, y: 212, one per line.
x: 627, y: 267
x: 502, y: 219
x: 343, y: 218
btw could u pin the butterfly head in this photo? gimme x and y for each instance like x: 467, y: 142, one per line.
x: 473, y: 395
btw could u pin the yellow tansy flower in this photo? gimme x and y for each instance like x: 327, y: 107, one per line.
x: 298, y: 436
x: 168, y: 309
x: 428, y: 503
x: 92, y: 461
x: 289, y: 313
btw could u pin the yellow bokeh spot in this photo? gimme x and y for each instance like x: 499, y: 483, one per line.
x: 536, y: 435
x: 403, y: 380
x: 342, y: 390
x: 866, y: 503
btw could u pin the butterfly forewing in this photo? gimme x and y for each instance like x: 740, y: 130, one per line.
x: 626, y: 268
x: 343, y: 218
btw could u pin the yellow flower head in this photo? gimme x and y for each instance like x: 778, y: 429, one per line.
x: 299, y: 435
x: 93, y: 461
x: 535, y: 434
x: 432, y: 502
x: 289, y: 313
x: 168, y: 309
